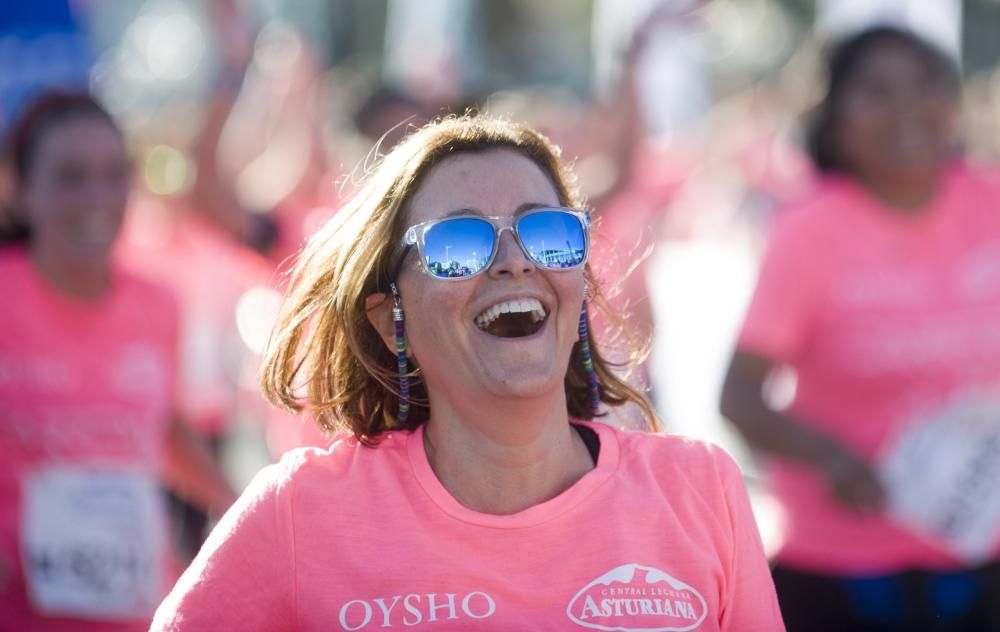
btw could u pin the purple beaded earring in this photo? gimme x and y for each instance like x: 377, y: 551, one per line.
x: 588, y: 363
x: 402, y: 364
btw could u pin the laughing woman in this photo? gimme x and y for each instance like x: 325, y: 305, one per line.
x: 440, y: 319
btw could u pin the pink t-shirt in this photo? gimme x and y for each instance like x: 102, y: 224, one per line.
x: 659, y: 536
x: 208, y: 273
x: 888, y: 320
x: 85, y: 396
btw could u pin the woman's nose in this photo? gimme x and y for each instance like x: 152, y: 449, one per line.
x: 510, y: 260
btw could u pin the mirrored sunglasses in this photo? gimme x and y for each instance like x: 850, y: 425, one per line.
x: 462, y: 246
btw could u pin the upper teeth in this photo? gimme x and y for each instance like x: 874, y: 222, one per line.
x: 507, y: 307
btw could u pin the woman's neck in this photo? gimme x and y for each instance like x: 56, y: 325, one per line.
x: 905, y: 194
x: 511, y: 458
x: 86, y: 281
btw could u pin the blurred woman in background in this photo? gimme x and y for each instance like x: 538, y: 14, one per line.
x: 881, y: 290
x: 87, y: 389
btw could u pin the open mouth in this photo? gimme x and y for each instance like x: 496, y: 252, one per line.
x: 513, y: 319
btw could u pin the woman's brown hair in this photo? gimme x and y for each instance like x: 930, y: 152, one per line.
x: 324, y: 355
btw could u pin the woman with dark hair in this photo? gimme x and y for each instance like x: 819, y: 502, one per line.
x: 87, y: 363
x: 440, y: 322
x: 881, y: 289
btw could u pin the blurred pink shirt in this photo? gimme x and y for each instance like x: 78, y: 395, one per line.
x: 658, y: 536
x: 208, y: 272
x: 888, y: 320
x: 83, y: 384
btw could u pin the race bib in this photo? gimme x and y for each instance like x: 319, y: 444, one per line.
x: 92, y: 543
x: 943, y: 477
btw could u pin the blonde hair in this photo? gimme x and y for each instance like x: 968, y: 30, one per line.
x: 324, y: 355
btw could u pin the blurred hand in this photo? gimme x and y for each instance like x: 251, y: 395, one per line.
x: 852, y: 481
x: 235, y: 33
x: 666, y: 12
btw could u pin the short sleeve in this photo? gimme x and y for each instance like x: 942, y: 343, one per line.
x: 790, y: 287
x: 244, y: 576
x: 749, y: 603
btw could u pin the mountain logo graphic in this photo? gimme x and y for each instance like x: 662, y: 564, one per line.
x: 636, y: 598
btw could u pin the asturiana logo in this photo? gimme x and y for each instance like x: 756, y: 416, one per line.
x: 636, y: 598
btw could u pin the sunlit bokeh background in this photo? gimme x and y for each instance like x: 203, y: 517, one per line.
x: 683, y: 119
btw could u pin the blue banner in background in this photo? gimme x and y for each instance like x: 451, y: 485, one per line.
x: 43, y: 44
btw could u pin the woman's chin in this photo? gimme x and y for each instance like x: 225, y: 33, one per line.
x: 525, y: 367
x: 522, y: 382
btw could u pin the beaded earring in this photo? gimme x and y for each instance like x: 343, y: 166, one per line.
x: 588, y: 363
x: 402, y: 364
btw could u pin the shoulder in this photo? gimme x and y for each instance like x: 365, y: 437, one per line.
x: 679, y: 450
x: 698, y: 480
x: 671, y: 458
x: 975, y: 178
x: 146, y: 303
x: 817, y: 210
x: 22, y: 312
x: 150, y: 292
x: 14, y: 263
x: 971, y: 194
x: 274, y: 495
x: 338, y: 469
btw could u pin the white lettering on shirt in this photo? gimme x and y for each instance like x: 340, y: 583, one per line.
x: 358, y: 614
x: 634, y: 597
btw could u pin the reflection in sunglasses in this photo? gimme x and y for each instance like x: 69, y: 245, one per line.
x: 460, y: 247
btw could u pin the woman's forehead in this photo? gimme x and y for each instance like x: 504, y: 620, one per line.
x: 895, y: 57
x: 497, y: 182
x: 83, y: 136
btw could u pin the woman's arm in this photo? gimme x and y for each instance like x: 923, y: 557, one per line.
x: 850, y: 479
x: 192, y: 473
x: 213, y: 193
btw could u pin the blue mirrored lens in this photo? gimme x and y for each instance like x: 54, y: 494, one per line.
x: 554, y: 239
x: 458, y: 247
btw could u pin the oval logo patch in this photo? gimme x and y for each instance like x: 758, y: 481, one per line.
x: 636, y: 598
